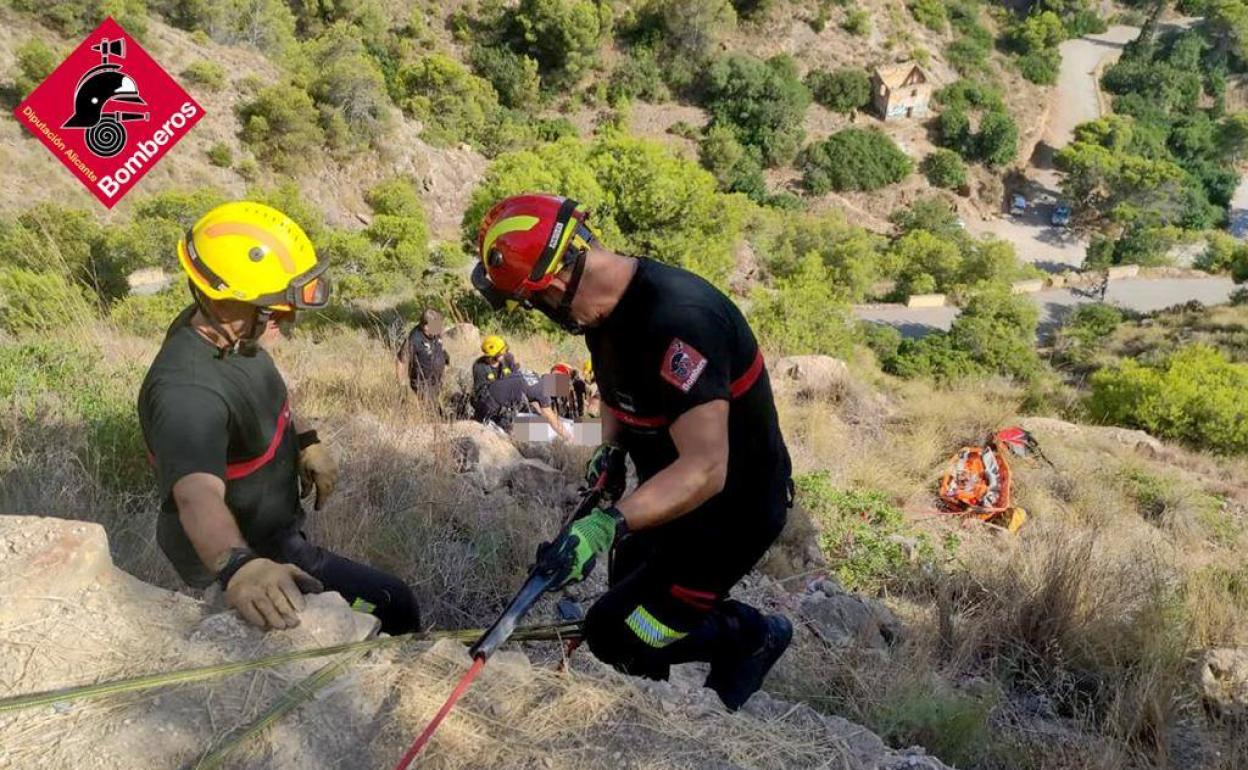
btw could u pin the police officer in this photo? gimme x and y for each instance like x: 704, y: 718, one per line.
x: 421, y: 358
x: 686, y: 394
x: 219, y: 429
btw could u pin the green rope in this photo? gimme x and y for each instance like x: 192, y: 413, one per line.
x: 293, y: 697
x: 184, y: 676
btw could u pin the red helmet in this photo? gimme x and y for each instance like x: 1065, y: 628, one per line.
x: 523, y: 242
x: 561, y: 368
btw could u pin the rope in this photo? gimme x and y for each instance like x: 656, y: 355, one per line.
x: 418, y: 744
x: 184, y: 676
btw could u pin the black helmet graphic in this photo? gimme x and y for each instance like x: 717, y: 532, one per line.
x: 101, y: 85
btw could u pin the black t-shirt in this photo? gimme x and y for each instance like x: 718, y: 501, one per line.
x: 484, y: 372
x: 675, y: 342
x: 426, y: 360
x: 228, y: 416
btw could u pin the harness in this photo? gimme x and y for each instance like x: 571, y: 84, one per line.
x: 737, y: 388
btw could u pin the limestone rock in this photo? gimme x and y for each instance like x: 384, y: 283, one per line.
x: 810, y: 376
x: 850, y: 620
x: 492, y: 460
x: 1136, y: 439
x: 1224, y: 681
x: 463, y: 344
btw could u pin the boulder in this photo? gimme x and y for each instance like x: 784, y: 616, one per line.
x: 810, y: 376
x: 492, y: 459
x: 463, y: 344
x: 1224, y: 681
x: 1135, y: 439
x: 44, y: 559
x: 848, y: 620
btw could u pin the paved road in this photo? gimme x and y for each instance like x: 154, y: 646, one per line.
x: 1139, y: 294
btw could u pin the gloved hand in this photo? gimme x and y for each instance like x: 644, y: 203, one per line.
x: 608, y: 459
x: 270, y: 595
x: 571, y: 557
x: 317, y: 469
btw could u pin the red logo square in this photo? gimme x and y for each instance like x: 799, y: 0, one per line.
x: 682, y: 365
x: 109, y: 112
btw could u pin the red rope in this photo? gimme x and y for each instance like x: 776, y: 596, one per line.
x: 427, y: 733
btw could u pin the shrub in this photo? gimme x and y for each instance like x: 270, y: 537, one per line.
x: 281, y: 126
x: 348, y: 85
x: 35, y: 61
x: 844, y: 90
x: 220, y: 155
x: 638, y: 76
x: 751, y: 9
x: 208, y: 74
x: 514, y: 76
x: 950, y: 724
x: 953, y: 130
x: 1196, y: 396
x: 267, y: 25
x: 399, y: 227
x: 40, y: 301
x: 149, y: 315
x: 968, y: 55
x: 75, y: 17
x: 1081, y: 334
x: 852, y: 254
x: 1037, y: 32
x: 929, y: 13
x: 996, y: 142
x: 764, y: 103
x: 453, y: 104
x: 683, y: 34
x: 804, y: 314
x: 944, y: 168
x: 1041, y: 67
x: 857, y: 22
x: 736, y: 168
x: 853, y: 159
x: 862, y: 532
x: 563, y: 36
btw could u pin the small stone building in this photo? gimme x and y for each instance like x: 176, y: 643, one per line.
x: 901, y: 91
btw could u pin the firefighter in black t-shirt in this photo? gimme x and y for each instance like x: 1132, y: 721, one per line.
x: 421, y: 358
x: 686, y: 394
x: 217, y: 422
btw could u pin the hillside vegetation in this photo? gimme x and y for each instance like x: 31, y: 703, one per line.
x: 730, y: 138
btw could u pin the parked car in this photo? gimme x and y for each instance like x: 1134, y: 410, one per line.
x: 1061, y: 216
x: 1018, y: 206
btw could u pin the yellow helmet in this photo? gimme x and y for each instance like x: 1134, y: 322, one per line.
x: 587, y: 369
x: 493, y: 345
x: 253, y: 253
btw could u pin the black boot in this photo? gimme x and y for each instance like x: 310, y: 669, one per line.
x: 734, y: 680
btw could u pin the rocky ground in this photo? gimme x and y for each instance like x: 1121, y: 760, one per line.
x: 69, y: 616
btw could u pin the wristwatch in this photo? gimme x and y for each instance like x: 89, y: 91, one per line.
x: 235, y: 559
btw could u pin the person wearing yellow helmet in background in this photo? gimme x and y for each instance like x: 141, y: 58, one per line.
x: 493, y: 364
x: 217, y: 423
x: 500, y: 388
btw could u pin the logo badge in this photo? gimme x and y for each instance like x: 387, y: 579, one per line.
x: 109, y: 112
x: 682, y: 365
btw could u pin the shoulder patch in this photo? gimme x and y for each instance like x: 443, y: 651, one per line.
x: 682, y: 365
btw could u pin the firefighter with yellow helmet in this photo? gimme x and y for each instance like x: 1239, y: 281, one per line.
x: 219, y: 430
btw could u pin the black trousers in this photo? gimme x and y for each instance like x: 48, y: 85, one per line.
x: 366, y: 588
x: 667, y: 602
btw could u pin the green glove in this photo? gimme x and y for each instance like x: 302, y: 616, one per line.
x: 571, y: 558
x: 607, y: 460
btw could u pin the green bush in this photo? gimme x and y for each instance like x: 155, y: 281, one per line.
x: 40, y: 302
x: 929, y: 13
x: 220, y: 155
x: 1082, y: 332
x: 969, y: 55
x: 853, y: 159
x: 862, y: 532
x: 454, y: 105
x: 736, y: 168
x: 399, y: 227
x: 563, y: 36
x: 751, y: 9
x: 281, y: 126
x: 944, y: 168
x: 209, y: 74
x: 1196, y: 396
x: 952, y: 725
x: 994, y: 334
x: 349, y: 88
x: 150, y: 315
x: 857, y: 22
x: 1037, y: 32
x: 684, y: 34
x: 764, y: 103
x: 844, y: 90
x: 804, y: 313
x: 1041, y: 67
x: 853, y: 255
x: 953, y: 130
x: 73, y: 18
x: 267, y: 25
x: 35, y: 61
x: 996, y: 142
x: 639, y: 76
x: 883, y: 340
x: 514, y: 76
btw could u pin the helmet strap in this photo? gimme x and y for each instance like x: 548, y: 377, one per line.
x: 246, y: 345
x: 562, y: 315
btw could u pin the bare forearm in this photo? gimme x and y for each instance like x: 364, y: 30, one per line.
x: 210, y: 527
x: 671, y: 493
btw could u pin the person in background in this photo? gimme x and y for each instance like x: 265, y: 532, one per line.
x: 421, y: 359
